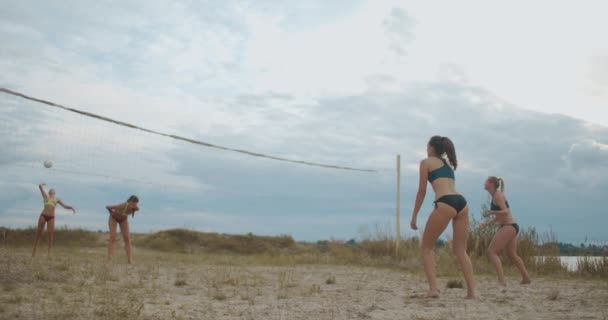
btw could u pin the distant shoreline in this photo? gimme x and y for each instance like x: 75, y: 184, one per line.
x: 572, y: 262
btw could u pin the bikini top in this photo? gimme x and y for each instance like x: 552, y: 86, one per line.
x: 444, y: 171
x: 124, y: 211
x: 494, y: 206
x: 51, y: 202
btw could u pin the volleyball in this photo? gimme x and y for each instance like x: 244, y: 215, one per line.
x: 48, y: 164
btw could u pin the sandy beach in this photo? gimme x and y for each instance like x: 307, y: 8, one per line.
x: 76, y: 284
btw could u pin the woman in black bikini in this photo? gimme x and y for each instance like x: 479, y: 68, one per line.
x: 119, y: 216
x: 449, y: 206
x: 506, y: 236
x: 48, y: 216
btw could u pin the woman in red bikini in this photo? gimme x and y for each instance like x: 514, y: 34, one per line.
x: 47, y: 217
x: 119, y: 216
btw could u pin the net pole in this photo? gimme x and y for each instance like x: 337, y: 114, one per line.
x: 398, y: 213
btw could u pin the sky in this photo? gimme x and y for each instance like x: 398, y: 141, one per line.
x: 521, y: 88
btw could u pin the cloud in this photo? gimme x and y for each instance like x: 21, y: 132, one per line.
x: 598, y: 75
x: 492, y: 138
x: 302, y: 15
x: 123, y: 56
x: 348, y: 83
x: 585, y: 165
x: 52, y: 134
x: 450, y: 72
x: 399, y: 27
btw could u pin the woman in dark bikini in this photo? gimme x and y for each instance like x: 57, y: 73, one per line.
x: 506, y: 236
x: 449, y: 206
x: 47, y: 217
x: 119, y: 216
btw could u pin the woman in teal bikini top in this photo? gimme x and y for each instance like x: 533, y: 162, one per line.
x: 450, y: 206
x: 506, y: 236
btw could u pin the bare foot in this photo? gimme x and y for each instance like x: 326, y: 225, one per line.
x: 502, y: 284
x: 433, y: 293
x: 526, y: 281
x: 470, y: 296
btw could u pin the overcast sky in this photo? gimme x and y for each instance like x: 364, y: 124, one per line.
x: 521, y: 87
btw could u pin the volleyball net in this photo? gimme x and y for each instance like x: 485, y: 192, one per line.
x: 183, y: 181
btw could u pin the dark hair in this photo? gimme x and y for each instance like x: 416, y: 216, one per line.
x: 499, y: 183
x: 443, y: 145
x: 133, y: 198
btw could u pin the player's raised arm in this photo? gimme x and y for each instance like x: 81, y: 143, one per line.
x: 41, y: 187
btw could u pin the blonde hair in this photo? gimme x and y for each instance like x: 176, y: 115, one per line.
x: 498, y: 182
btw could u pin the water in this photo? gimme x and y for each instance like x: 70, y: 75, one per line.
x: 571, y: 262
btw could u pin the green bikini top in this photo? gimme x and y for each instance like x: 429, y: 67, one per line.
x: 51, y: 202
x: 124, y: 211
x: 495, y: 207
x: 444, y: 171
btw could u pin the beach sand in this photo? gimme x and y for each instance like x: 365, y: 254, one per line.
x: 77, y: 284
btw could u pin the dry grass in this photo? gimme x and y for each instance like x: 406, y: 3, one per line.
x: 180, y: 283
x: 588, y: 267
x: 553, y: 295
x: 75, y: 284
x: 375, y: 249
x: 62, y: 237
x: 72, y: 283
x: 455, y: 284
x: 188, y: 241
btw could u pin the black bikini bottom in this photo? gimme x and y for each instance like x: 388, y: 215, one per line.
x: 456, y: 201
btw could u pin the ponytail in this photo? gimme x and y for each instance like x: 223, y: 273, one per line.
x: 443, y: 145
x: 449, y: 149
x: 501, y: 183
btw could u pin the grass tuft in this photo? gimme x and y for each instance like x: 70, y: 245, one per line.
x: 330, y: 280
x: 453, y: 284
x: 553, y: 295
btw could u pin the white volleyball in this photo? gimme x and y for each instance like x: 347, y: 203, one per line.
x: 48, y: 164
